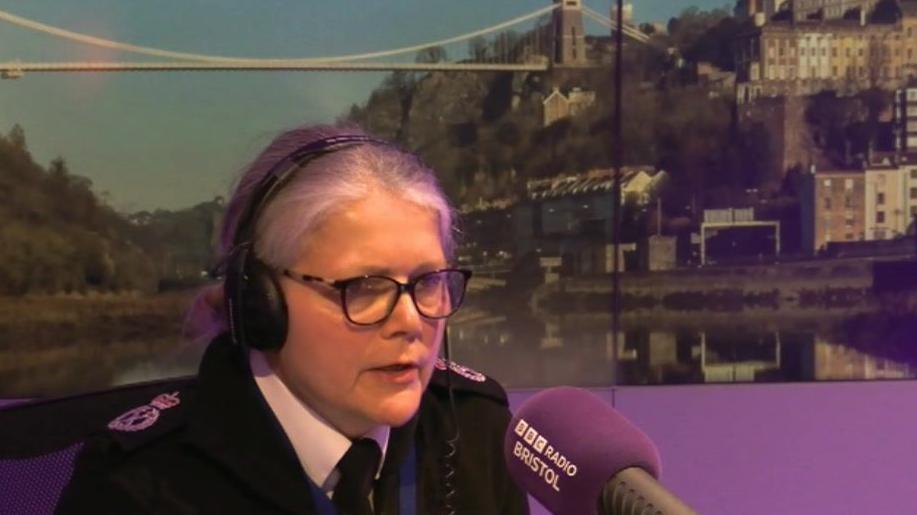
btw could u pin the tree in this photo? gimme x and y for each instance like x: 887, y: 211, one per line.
x: 431, y: 54
x: 402, y: 85
x: 830, y: 119
x: 506, y: 47
x: 16, y: 138
x: 715, y: 45
x: 886, y: 12
x: 876, y: 101
x: 477, y: 48
x: 688, y: 27
x: 56, y: 235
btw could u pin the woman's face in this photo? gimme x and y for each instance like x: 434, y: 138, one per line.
x: 352, y: 375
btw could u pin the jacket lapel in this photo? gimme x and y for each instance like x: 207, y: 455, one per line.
x: 232, y: 424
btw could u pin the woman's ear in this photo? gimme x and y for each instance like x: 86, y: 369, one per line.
x: 213, y: 296
x: 207, y: 316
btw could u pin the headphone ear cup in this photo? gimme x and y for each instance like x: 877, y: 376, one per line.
x: 264, y: 309
x: 232, y: 293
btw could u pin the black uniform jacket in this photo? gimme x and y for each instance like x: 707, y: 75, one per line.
x: 212, y: 445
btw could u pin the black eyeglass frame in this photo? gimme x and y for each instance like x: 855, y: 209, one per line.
x: 342, y: 284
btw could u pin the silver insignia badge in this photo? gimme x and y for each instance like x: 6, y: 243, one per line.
x: 463, y: 371
x: 144, y: 416
x: 165, y: 400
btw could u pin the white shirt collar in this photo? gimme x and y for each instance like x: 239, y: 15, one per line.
x: 318, y: 445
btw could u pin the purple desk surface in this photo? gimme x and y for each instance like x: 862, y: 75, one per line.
x: 780, y: 449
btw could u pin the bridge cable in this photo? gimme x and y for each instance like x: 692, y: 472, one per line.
x: 607, y: 22
x: 116, y: 45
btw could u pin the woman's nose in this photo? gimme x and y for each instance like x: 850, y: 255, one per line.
x: 405, y: 318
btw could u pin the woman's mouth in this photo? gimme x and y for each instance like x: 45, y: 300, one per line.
x: 398, y: 373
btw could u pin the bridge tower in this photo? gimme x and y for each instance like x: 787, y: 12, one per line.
x: 569, y: 40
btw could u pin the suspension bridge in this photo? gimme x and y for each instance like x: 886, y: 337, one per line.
x: 551, y: 36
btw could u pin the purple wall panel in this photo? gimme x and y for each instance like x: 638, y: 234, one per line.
x: 821, y: 448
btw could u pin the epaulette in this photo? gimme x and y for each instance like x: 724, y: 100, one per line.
x: 464, y: 379
x: 161, y: 415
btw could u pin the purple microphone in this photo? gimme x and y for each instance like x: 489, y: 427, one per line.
x: 578, y: 456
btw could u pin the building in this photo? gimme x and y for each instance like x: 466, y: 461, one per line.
x: 832, y: 208
x: 830, y: 9
x: 566, y: 216
x: 661, y: 253
x: 639, y: 183
x: 905, y: 119
x: 736, y: 235
x: 886, y: 204
x: 802, y: 58
x: 803, y: 10
x: 761, y: 9
x: 892, y: 188
x: 877, y: 201
x: 557, y: 106
x: 911, y: 191
x: 834, y: 361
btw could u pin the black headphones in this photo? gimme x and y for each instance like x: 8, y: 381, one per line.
x: 255, y: 307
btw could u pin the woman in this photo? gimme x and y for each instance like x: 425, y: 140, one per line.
x: 321, y: 391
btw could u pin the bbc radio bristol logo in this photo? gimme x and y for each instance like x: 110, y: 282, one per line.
x: 540, y: 456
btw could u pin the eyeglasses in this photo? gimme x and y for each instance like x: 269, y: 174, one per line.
x: 370, y: 299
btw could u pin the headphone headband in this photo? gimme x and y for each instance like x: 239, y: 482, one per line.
x: 280, y: 172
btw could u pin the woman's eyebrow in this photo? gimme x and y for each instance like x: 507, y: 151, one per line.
x: 372, y: 270
x: 427, y: 266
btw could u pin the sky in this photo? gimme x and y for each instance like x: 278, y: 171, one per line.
x: 170, y: 140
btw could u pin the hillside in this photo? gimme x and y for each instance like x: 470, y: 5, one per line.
x: 56, y: 235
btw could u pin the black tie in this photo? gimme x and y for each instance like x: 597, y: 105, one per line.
x: 358, y: 469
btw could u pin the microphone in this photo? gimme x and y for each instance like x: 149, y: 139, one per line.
x: 578, y: 456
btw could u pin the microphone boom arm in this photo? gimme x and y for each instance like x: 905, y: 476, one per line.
x: 633, y: 491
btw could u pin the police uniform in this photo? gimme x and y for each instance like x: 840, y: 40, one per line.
x: 211, y: 444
